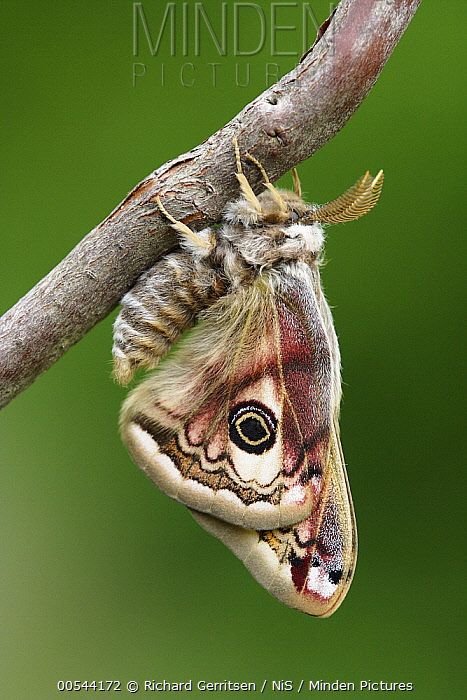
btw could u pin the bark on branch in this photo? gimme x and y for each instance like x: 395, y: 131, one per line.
x: 282, y: 127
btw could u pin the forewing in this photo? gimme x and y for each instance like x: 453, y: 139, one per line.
x: 308, y: 566
x: 236, y: 421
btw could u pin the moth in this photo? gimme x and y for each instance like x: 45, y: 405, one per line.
x: 239, y: 420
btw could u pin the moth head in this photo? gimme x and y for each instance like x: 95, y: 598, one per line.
x: 270, y: 228
x: 278, y: 225
x: 302, y: 222
x: 270, y: 207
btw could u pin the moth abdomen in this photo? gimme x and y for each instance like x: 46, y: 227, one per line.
x: 164, y: 302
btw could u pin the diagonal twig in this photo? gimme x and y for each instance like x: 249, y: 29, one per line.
x: 283, y: 126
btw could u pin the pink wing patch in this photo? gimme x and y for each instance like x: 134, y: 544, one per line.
x: 305, y: 369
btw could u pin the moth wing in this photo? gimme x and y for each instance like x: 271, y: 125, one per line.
x: 235, y: 422
x: 308, y: 566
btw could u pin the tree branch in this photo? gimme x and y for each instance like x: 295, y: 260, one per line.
x: 283, y: 126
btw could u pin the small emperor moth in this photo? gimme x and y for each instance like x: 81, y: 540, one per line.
x: 239, y: 421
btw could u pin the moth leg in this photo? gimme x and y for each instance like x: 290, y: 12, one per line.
x: 245, y: 186
x: 267, y: 183
x: 297, y: 185
x: 188, y: 235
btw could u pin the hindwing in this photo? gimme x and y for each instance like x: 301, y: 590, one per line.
x: 236, y: 421
x: 310, y: 565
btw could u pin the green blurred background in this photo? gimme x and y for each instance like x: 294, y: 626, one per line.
x: 104, y: 577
